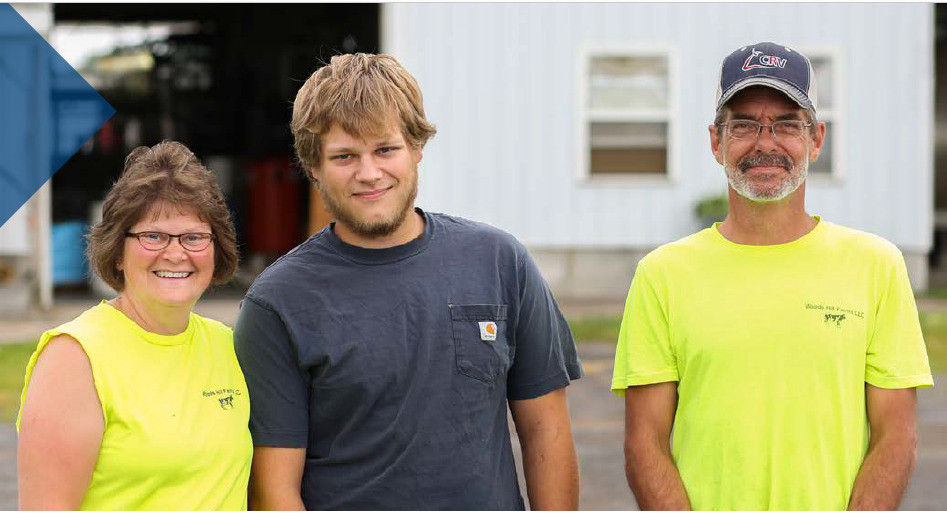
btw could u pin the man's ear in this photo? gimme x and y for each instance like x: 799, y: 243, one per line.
x: 818, y: 139
x: 715, y: 145
x: 417, y: 152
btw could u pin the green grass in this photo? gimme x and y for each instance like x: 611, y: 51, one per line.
x: 596, y: 329
x: 937, y: 293
x: 13, y: 358
x: 934, y: 326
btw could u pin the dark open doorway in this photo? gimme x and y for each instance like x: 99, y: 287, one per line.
x: 219, y: 78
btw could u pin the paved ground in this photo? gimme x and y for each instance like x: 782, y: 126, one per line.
x: 7, y: 467
x: 597, y: 418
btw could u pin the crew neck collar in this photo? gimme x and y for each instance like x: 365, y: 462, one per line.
x: 802, y: 241
x: 151, y: 338
x: 379, y: 256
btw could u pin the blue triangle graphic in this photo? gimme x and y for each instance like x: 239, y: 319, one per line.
x: 47, y: 111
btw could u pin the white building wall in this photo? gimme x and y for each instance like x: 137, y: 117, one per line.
x: 25, y: 268
x: 500, y: 82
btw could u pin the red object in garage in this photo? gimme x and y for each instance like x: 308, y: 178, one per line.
x: 273, y: 206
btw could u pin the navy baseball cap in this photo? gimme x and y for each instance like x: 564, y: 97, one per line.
x: 770, y: 65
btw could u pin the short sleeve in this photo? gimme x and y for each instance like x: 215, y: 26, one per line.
x: 279, y: 389
x: 644, y: 354
x: 545, y: 357
x: 896, y: 356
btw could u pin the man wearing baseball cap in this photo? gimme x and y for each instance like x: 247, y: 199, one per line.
x: 783, y: 349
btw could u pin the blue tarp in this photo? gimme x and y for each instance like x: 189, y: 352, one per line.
x: 35, y: 138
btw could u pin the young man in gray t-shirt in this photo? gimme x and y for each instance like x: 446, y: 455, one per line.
x: 381, y: 354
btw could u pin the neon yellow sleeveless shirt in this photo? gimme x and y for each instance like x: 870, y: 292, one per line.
x: 176, y: 412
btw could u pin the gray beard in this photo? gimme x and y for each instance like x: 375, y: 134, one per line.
x: 744, y: 186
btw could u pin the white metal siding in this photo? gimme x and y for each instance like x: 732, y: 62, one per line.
x: 500, y: 84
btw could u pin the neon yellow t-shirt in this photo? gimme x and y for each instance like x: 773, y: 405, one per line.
x: 176, y: 411
x: 771, y: 347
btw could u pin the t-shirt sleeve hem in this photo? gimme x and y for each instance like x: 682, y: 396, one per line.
x: 915, y: 381
x: 620, y: 383
x: 537, y: 389
x: 293, y: 440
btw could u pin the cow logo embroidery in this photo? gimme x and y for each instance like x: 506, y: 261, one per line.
x: 835, y: 314
x: 224, y: 396
x: 763, y: 61
x: 488, y: 330
x: 836, y: 318
x: 226, y: 403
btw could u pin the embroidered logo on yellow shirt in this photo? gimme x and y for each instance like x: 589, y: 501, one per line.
x: 488, y: 330
x: 224, y: 396
x: 834, y: 315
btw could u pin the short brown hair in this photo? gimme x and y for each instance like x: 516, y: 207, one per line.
x: 361, y: 93
x: 167, y: 173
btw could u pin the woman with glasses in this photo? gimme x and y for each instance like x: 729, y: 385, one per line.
x: 139, y: 403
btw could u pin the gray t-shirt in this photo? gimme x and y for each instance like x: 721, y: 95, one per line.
x: 393, y: 367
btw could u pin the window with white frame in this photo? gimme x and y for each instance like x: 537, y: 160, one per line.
x: 823, y: 64
x: 627, y: 113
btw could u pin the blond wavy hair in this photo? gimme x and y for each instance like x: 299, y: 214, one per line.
x: 362, y: 93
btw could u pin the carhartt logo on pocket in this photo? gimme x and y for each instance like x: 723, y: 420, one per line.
x: 488, y: 330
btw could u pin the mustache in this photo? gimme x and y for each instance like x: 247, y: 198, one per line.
x: 765, y: 161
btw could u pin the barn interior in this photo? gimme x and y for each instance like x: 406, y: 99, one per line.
x: 221, y: 79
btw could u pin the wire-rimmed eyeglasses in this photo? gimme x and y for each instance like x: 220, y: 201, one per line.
x: 786, y: 129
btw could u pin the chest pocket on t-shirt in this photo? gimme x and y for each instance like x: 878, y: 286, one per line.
x: 480, y: 340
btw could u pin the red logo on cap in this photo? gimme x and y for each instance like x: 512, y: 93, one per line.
x: 763, y: 61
